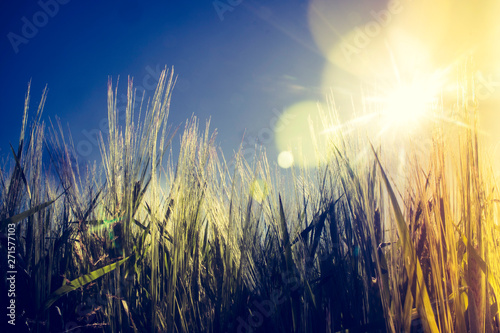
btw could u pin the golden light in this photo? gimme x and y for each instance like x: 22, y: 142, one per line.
x: 296, y: 135
x: 433, y: 33
x: 360, y: 47
x: 259, y: 190
x: 382, y: 45
x: 285, y: 159
x: 407, y: 105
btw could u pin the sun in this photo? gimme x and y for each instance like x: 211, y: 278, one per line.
x: 408, y: 104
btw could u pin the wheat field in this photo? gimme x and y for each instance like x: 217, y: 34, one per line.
x: 152, y: 241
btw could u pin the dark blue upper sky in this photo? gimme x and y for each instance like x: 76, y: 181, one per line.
x: 236, y: 70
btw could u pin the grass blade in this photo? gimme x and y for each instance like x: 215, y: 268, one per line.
x: 19, y: 217
x: 80, y: 282
x: 422, y: 297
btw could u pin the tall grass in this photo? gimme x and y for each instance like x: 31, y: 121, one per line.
x: 152, y: 241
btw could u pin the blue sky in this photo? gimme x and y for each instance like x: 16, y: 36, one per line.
x: 234, y: 66
x: 242, y: 64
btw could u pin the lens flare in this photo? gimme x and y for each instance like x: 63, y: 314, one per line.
x: 407, y: 104
x: 296, y: 134
x: 259, y: 190
x: 285, y: 159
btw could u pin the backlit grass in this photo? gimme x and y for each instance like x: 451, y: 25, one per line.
x: 152, y: 241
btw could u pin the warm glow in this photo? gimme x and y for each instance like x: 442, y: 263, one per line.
x: 259, y: 190
x: 296, y: 135
x: 285, y: 159
x: 407, y: 105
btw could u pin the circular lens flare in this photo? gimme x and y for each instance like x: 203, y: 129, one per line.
x: 296, y: 134
x: 285, y: 159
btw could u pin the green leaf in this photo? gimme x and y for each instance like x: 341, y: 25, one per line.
x: 80, y: 282
x: 19, y: 217
x: 421, y: 296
